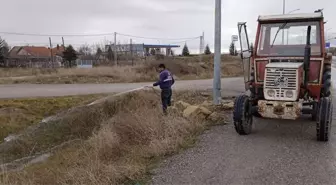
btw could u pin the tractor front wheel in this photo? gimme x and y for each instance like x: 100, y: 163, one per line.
x: 242, y: 117
x: 324, y: 119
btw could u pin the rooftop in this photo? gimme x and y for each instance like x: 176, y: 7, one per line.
x: 160, y: 46
x: 284, y: 17
x: 36, y: 51
x: 145, y: 45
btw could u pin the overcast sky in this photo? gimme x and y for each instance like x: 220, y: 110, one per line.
x: 148, y: 18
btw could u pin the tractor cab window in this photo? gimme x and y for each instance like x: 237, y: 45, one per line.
x: 288, y: 39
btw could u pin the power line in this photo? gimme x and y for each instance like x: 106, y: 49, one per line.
x: 51, y: 35
x: 91, y: 35
x: 156, y: 38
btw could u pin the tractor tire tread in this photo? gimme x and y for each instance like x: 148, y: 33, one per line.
x: 323, y: 124
x: 238, y: 114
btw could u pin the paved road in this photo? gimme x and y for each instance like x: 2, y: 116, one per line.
x: 277, y: 152
x: 230, y: 85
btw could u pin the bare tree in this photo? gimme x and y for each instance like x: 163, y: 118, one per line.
x: 85, y: 49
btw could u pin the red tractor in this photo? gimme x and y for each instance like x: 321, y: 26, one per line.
x: 287, y: 74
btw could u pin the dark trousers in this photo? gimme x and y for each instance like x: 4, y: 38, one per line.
x: 166, y: 95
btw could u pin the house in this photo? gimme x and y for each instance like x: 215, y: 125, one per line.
x: 85, y: 61
x: 35, y: 56
x: 142, y: 49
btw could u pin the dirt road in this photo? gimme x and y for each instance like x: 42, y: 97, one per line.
x: 230, y: 86
x: 277, y: 152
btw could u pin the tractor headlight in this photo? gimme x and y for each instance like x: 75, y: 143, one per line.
x: 289, y: 94
x: 271, y: 93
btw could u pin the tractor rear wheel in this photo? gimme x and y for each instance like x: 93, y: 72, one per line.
x: 242, y: 117
x: 324, y: 119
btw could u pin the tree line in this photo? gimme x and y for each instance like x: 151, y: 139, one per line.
x: 70, y: 55
x: 233, y: 50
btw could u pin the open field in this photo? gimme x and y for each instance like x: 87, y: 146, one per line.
x: 106, y: 143
x: 184, y: 68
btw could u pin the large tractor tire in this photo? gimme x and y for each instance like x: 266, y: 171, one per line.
x: 324, y: 119
x: 242, y: 117
x: 326, y: 81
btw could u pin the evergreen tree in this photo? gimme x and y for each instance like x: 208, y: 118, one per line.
x: 4, y: 49
x: 232, y: 49
x: 185, y: 51
x: 110, y: 54
x: 207, y: 50
x: 70, y: 55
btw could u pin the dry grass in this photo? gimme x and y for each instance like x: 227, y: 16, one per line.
x: 118, y: 143
x: 182, y: 67
x: 18, y: 114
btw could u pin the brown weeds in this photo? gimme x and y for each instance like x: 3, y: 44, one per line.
x: 120, y: 139
x: 182, y: 67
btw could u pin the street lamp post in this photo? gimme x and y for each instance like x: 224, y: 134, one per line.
x: 217, y: 58
x: 283, y: 12
x: 289, y: 13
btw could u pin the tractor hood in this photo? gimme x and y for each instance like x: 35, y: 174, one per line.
x: 284, y: 65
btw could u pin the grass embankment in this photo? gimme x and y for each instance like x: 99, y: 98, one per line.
x: 184, y: 68
x: 119, y: 141
x: 18, y: 114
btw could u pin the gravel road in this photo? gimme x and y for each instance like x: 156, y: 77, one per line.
x: 230, y: 86
x: 277, y: 152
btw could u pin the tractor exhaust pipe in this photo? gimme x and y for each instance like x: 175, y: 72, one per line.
x: 306, y: 59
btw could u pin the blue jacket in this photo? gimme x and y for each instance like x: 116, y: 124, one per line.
x: 166, y: 80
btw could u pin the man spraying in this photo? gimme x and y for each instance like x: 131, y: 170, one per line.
x: 165, y: 82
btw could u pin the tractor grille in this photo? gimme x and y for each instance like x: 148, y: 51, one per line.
x: 281, y: 79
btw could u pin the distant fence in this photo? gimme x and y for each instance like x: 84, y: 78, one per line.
x: 31, y: 63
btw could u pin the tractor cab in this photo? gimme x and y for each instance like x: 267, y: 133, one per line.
x: 288, y: 73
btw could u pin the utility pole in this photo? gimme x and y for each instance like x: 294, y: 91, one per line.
x: 217, y: 59
x: 51, y: 54
x: 131, y: 48
x: 201, y: 46
x: 63, y: 43
x: 115, y: 49
x: 288, y: 29
x: 283, y: 12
